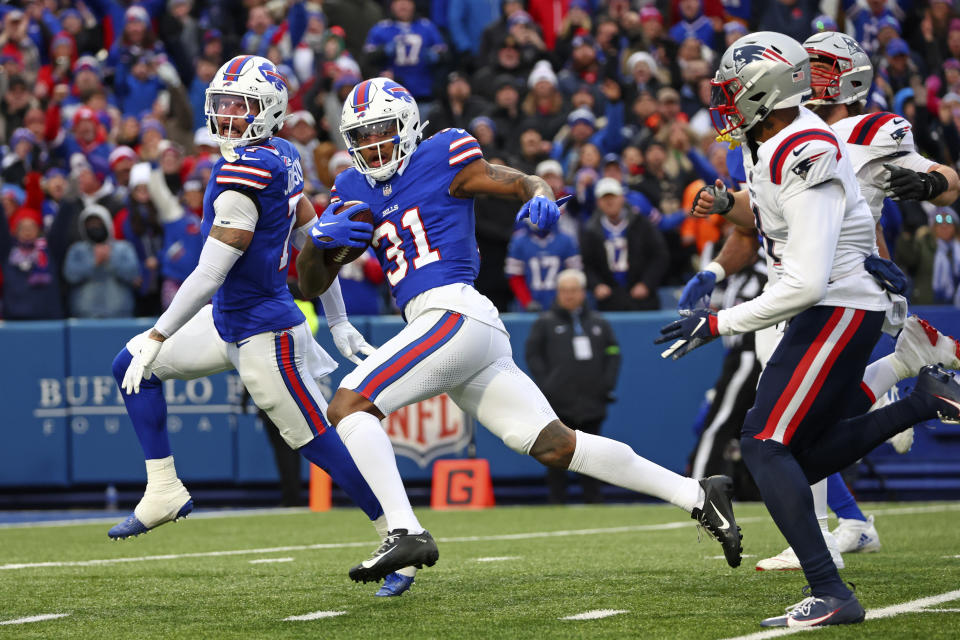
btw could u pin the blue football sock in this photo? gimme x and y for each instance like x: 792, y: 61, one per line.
x: 841, y: 500
x: 147, y: 410
x: 786, y: 493
x: 328, y: 452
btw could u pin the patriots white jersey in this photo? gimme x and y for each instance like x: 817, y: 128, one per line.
x: 803, y: 155
x: 873, y: 140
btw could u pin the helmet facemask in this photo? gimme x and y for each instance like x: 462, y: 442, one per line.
x: 381, y: 131
x: 827, y: 80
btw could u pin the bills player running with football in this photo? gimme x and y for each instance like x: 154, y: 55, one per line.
x: 809, y: 418
x: 880, y: 147
x: 421, y: 195
x: 253, y: 210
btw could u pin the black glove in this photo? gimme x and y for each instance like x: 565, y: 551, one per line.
x: 695, y: 330
x: 906, y: 184
x: 722, y: 200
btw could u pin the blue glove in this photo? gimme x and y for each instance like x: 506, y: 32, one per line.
x: 695, y: 330
x: 542, y: 211
x: 887, y: 274
x: 334, y: 230
x: 697, y: 291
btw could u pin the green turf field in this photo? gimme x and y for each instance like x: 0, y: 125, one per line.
x: 540, y: 564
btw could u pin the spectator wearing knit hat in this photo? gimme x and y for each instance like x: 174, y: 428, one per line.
x: 301, y: 129
x: 31, y: 277
x: 63, y: 54
x: 582, y: 128
x: 136, y: 39
x: 505, y: 61
x: 83, y: 27
x: 139, y: 224
x: 866, y: 19
x: 87, y: 137
x: 122, y: 160
x: 544, y: 103
x: 181, y: 36
x: 22, y: 155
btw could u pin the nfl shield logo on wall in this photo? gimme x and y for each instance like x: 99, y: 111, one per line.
x: 428, y: 430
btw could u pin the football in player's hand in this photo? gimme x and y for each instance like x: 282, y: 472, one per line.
x: 344, y: 255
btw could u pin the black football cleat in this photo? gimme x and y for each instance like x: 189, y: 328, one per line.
x: 716, y: 516
x: 399, y: 549
x: 940, y: 385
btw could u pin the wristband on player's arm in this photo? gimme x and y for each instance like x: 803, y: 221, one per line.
x: 937, y: 185
x: 716, y: 269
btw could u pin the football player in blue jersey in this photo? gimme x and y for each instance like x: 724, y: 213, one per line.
x: 421, y: 196
x: 253, y: 210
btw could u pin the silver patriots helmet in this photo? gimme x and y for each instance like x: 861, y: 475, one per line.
x: 758, y: 73
x: 844, y: 73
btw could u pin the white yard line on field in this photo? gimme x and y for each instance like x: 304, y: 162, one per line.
x: 282, y: 511
x: 269, y: 560
x: 667, y: 526
x: 497, y: 559
x: 596, y: 614
x: 913, y: 606
x: 37, y: 618
x: 316, y: 615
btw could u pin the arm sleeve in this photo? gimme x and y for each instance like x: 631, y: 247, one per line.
x: 814, y: 217
x: 333, y: 306
x: 300, y: 236
x: 914, y: 161
x: 216, y: 260
x: 235, y: 210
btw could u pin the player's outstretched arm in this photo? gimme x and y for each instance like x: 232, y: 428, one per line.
x: 220, y: 252
x: 481, y: 178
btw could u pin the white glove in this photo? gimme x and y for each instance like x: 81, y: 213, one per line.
x: 168, y: 74
x: 141, y: 366
x: 350, y: 342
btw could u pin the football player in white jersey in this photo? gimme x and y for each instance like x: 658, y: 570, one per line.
x: 810, y: 416
x: 880, y: 146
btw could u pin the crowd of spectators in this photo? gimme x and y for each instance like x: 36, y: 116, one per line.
x: 106, y: 153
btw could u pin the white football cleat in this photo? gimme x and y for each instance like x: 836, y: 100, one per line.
x: 903, y: 441
x: 787, y: 559
x: 855, y: 536
x: 920, y: 344
x: 154, y: 509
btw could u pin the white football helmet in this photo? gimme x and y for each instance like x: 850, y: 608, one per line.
x: 248, y: 88
x: 758, y: 73
x: 379, y: 107
x: 850, y: 74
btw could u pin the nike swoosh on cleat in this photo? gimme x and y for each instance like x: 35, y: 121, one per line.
x: 726, y: 525
x: 378, y: 558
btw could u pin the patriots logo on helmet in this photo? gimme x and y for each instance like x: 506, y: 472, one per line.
x: 748, y: 53
x: 900, y: 134
x: 803, y: 167
x: 852, y: 45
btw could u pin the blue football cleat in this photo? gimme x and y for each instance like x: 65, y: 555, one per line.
x: 395, y: 584
x: 818, y: 612
x: 133, y: 527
